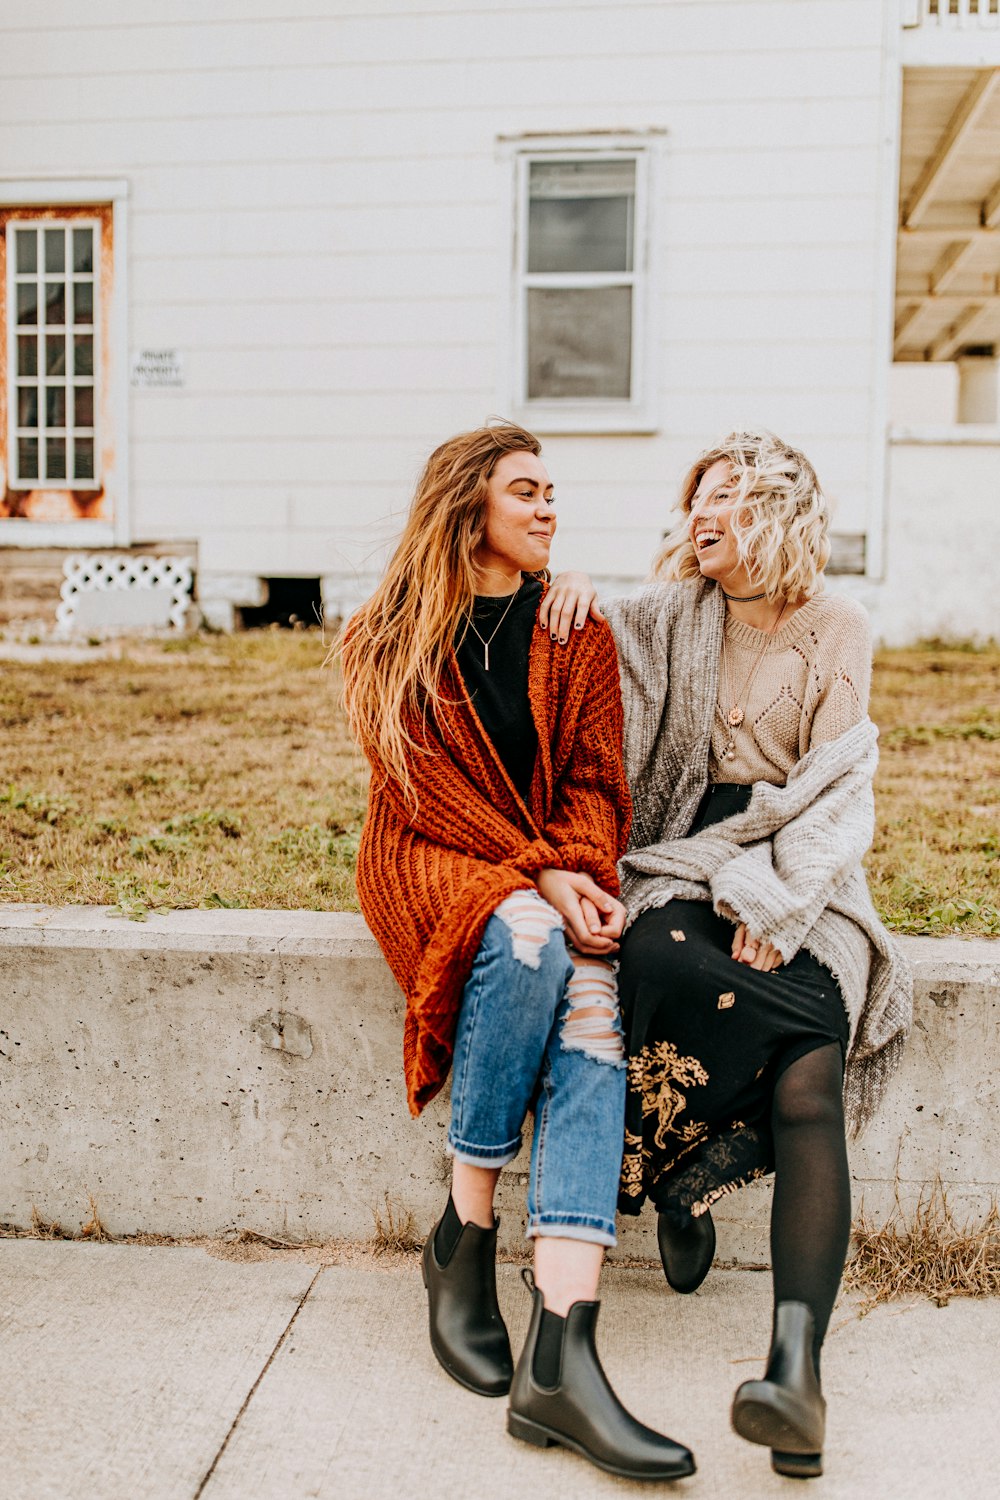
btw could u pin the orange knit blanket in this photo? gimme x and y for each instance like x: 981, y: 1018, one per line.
x: 428, y: 882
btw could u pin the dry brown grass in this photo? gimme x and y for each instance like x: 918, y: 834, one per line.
x: 216, y: 771
x: 396, y: 1234
x: 925, y: 1253
x: 219, y: 772
x: 934, y: 866
x: 94, y: 1229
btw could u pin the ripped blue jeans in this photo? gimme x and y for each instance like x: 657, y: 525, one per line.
x: 539, y: 1027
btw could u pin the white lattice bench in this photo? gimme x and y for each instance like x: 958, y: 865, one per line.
x: 114, y: 591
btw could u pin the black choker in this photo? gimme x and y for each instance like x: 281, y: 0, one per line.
x: 749, y: 598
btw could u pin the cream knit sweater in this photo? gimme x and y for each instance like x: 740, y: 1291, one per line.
x: 790, y: 865
x: 811, y: 685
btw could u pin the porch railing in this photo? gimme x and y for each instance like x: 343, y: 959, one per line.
x: 952, y: 15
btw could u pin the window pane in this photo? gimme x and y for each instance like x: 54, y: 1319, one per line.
x: 83, y: 249
x: 27, y: 354
x: 27, y: 458
x: 55, y: 458
x: 83, y: 359
x: 83, y: 302
x: 84, y: 458
x: 83, y: 406
x: 27, y: 249
x: 580, y: 343
x: 27, y: 406
x: 55, y: 302
x: 27, y: 303
x: 580, y: 216
x: 55, y: 249
x: 55, y: 406
x: 55, y: 354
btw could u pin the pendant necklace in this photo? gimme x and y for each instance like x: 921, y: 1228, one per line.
x: 733, y: 718
x: 486, y: 643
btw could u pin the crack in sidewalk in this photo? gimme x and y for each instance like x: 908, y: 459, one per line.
x: 254, y: 1388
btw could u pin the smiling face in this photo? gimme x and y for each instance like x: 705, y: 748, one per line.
x: 710, y: 527
x: 520, y: 523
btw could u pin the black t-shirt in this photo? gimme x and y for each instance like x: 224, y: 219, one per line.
x: 500, y: 695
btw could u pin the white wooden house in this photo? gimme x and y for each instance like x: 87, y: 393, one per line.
x: 259, y: 258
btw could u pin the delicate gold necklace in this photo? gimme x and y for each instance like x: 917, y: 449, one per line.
x: 486, y: 644
x: 735, y: 715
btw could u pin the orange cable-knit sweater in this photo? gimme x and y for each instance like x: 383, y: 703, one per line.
x: 429, y: 881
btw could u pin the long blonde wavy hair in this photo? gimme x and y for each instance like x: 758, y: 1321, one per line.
x: 394, y: 648
x: 781, y: 523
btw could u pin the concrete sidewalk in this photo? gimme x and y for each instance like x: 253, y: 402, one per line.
x: 166, y: 1374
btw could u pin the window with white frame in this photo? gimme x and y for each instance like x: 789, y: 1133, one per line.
x: 53, y: 321
x: 581, y: 290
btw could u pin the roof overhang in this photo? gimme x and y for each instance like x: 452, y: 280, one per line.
x: 948, y: 251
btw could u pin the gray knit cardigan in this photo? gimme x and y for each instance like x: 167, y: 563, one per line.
x: 789, y: 866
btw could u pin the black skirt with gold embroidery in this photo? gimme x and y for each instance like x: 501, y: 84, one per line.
x: 707, y: 1040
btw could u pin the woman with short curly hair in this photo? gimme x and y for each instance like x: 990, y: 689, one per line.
x: 753, y: 967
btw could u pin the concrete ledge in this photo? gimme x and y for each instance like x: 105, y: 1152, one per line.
x: 209, y: 1069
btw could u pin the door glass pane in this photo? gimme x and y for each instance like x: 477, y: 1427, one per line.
x: 55, y: 303
x: 27, y: 458
x: 27, y: 354
x: 55, y: 406
x: 27, y: 249
x: 83, y: 359
x: 580, y: 343
x: 83, y: 406
x: 27, y: 406
x: 55, y: 249
x: 83, y: 302
x: 27, y: 302
x: 83, y: 249
x: 580, y: 216
x: 55, y: 354
x: 55, y: 458
x: 84, y: 458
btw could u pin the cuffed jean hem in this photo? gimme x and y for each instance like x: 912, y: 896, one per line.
x: 593, y: 1231
x: 482, y: 1156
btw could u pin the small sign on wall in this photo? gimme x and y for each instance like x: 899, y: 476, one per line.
x: 157, y: 369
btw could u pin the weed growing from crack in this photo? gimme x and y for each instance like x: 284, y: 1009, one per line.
x: 397, y: 1232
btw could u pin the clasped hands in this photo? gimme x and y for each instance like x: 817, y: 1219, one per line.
x: 594, y: 920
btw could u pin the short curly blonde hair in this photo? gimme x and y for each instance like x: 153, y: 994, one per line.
x: 781, y: 524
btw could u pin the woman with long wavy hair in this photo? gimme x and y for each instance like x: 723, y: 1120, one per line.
x: 759, y: 990
x: 497, y: 810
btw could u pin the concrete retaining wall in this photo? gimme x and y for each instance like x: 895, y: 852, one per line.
x: 211, y: 1069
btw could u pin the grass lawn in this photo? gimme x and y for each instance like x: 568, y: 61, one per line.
x: 218, y: 771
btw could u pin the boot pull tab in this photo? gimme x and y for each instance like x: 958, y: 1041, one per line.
x: 528, y: 1278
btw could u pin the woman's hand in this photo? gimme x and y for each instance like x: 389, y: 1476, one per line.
x: 594, y: 920
x: 756, y: 953
x: 568, y: 600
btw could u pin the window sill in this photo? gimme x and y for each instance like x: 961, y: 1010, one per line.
x: 595, y: 420
x: 954, y: 435
x: 85, y: 534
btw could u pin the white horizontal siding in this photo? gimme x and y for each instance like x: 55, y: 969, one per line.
x: 321, y: 322
x: 320, y: 222
x: 400, y: 33
x: 390, y: 270
x: 457, y: 85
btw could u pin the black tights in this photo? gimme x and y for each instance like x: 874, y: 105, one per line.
x: 811, y: 1211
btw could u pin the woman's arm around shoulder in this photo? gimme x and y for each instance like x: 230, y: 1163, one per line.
x: 591, y: 807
